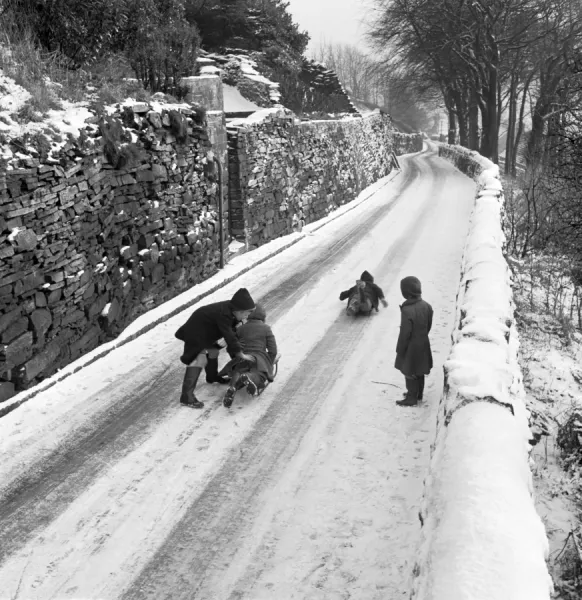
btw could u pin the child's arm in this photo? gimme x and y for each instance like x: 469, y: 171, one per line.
x: 346, y: 293
x: 234, y: 344
x: 430, y: 313
x: 381, y: 295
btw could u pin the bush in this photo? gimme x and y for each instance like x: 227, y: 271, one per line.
x: 79, y: 30
x: 231, y: 73
x: 246, y: 24
x: 163, y: 46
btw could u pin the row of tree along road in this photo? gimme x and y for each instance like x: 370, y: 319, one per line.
x: 509, y: 74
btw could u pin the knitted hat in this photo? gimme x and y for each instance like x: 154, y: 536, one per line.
x: 242, y: 300
x: 259, y: 313
x: 367, y: 277
x: 410, y: 287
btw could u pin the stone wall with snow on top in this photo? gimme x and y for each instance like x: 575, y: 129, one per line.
x: 481, y: 537
x: 99, y: 230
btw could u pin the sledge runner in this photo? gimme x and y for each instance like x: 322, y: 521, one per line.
x: 413, y: 353
x: 258, y: 341
x: 364, y: 296
x: 200, y: 335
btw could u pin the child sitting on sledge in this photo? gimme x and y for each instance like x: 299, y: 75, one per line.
x: 364, y: 296
x: 258, y: 341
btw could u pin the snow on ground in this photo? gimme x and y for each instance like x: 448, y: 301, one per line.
x: 68, y: 120
x: 12, y: 97
x: 341, y: 517
x: 234, y: 101
x: 261, y: 115
x: 481, y: 537
x: 335, y: 512
x: 344, y: 520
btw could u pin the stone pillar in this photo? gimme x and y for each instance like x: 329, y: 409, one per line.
x: 206, y: 91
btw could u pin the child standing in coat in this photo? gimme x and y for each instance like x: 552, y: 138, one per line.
x: 413, y: 353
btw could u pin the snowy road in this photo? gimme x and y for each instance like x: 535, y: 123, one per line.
x: 109, y: 489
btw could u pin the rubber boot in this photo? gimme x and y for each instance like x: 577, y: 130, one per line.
x: 420, y: 386
x: 211, y: 369
x: 231, y: 391
x: 411, y: 398
x: 188, y: 386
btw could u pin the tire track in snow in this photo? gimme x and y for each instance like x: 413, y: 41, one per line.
x: 205, y: 541
x: 45, y: 490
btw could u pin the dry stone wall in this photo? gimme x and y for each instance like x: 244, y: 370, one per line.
x: 284, y: 173
x: 113, y: 224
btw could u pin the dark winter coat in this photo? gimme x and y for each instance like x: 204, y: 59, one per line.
x: 257, y: 339
x: 205, y: 327
x: 371, y: 290
x: 413, y: 353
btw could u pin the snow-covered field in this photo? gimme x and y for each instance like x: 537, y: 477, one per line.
x: 110, y: 489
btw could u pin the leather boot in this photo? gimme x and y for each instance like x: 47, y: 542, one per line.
x: 188, y: 386
x: 211, y: 369
x: 411, y: 398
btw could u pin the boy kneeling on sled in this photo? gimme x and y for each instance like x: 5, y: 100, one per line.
x: 258, y: 341
x: 364, y: 296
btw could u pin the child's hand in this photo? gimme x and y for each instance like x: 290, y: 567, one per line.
x: 384, y: 302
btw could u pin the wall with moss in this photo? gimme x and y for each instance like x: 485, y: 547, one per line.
x: 111, y: 225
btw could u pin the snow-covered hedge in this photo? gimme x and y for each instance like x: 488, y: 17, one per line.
x: 481, y: 536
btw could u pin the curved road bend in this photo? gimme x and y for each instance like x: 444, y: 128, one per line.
x: 109, y: 489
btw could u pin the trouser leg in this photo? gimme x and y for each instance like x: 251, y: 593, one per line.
x: 412, y: 388
x: 211, y: 368
x: 420, y: 386
x: 411, y: 397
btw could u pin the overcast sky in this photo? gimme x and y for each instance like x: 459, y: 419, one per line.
x: 337, y: 21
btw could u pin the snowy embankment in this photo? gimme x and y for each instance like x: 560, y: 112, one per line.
x: 481, y: 537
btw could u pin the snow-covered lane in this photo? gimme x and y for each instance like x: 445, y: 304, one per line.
x: 111, y: 489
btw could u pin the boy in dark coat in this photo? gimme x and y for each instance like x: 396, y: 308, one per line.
x: 258, y: 341
x: 364, y: 296
x: 413, y: 353
x: 200, y: 335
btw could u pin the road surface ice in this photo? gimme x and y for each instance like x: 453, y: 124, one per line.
x: 110, y: 489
